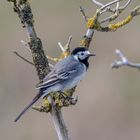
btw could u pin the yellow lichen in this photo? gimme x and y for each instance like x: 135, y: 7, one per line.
x: 64, y: 55
x: 91, y: 22
x: 115, y: 26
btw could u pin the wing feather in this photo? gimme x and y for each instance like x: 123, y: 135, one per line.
x: 56, y: 78
x: 62, y: 71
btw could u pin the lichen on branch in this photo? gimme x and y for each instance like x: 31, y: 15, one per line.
x: 94, y: 23
x: 40, y: 61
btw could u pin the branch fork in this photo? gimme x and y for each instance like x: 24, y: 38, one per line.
x: 123, y: 61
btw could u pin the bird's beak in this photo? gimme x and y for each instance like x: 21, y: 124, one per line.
x: 92, y: 54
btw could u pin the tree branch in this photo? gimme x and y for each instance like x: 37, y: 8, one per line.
x: 123, y: 61
x: 23, y: 9
x: 97, y: 25
x: 93, y: 23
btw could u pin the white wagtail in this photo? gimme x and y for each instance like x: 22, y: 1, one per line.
x: 65, y: 75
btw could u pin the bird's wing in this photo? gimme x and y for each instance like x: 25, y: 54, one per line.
x: 55, y: 78
x: 63, y: 70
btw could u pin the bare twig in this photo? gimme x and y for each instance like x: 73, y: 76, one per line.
x: 31, y: 63
x: 68, y: 43
x: 83, y: 13
x: 114, y: 16
x: 125, y: 6
x: 123, y: 61
x: 61, y: 47
x: 65, y: 50
x: 17, y: 54
x: 117, y: 11
x: 107, y: 7
x: 97, y: 3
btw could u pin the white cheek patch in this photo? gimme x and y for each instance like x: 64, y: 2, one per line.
x: 76, y: 57
x: 79, y: 56
x: 87, y: 52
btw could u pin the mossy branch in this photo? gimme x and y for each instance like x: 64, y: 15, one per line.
x: 23, y: 9
x: 40, y: 61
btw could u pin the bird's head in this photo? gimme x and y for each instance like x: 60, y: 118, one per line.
x: 81, y: 54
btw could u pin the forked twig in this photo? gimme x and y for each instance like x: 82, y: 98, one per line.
x: 83, y: 13
x: 97, y: 25
x: 94, y: 23
x: 123, y: 61
x: 64, y: 49
x: 125, y: 6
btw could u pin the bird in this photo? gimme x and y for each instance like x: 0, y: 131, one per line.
x: 65, y: 75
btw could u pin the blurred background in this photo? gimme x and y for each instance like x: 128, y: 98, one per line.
x: 109, y: 100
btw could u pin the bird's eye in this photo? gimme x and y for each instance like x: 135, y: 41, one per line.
x: 82, y: 53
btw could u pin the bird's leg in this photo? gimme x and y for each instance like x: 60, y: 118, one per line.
x: 69, y: 99
x: 64, y: 95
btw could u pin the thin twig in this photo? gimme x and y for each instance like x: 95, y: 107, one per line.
x: 109, y: 4
x: 125, y: 6
x: 101, y: 5
x: 17, y: 54
x: 83, y: 13
x: 69, y: 40
x: 61, y: 47
x: 29, y: 62
x: 97, y: 3
x: 124, y: 61
x: 117, y: 11
x: 112, y: 17
x: 67, y: 46
x: 108, y: 9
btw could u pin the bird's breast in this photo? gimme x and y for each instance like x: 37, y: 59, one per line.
x: 75, y: 80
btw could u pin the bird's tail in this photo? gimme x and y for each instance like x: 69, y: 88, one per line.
x: 29, y: 105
